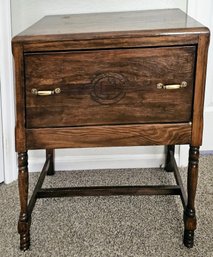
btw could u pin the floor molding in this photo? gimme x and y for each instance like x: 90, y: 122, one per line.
x: 102, y: 162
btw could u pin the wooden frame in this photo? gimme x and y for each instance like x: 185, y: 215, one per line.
x: 166, y: 133
x: 107, y: 190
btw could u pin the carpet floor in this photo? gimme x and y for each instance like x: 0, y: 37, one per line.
x: 115, y: 226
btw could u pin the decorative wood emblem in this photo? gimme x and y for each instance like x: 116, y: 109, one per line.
x: 108, y: 88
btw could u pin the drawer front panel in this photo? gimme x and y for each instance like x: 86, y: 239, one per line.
x: 109, y: 86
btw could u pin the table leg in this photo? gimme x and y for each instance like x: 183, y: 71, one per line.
x: 24, y: 219
x: 51, y: 170
x: 189, y: 212
x: 168, y: 165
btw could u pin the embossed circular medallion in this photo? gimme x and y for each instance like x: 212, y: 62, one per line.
x: 108, y: 88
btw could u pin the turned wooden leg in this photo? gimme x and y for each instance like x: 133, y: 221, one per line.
x: 189, y: 212
x: 168, y: 165
x: 51, y: 170
x: 24, y: 219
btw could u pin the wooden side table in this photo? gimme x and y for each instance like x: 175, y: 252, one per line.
x: 110, y: 79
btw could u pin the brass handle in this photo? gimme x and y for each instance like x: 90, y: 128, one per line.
x: 45, y: 92
x: 170, y: 87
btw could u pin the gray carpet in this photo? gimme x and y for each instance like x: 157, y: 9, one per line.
x: 124, y: 226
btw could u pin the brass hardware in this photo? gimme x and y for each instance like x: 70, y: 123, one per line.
x: 57, y: 90
x: 34, y: 91
x: 170, y: 87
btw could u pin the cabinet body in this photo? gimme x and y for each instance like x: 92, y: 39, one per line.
x: 111, y: 79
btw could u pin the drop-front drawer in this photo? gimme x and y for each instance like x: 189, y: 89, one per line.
x: 125, y: 86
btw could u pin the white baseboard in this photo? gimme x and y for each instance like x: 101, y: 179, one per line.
x: 104, y: 160
x: 101, y: 162
x: 110, y: 162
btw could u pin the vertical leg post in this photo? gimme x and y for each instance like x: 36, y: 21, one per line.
x: 168, y: 165
x: 24, y: 219
x: 51, y: 153
x: 189, y: 212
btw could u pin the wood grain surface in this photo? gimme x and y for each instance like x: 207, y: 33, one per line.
x: 131, y: 40
x: 116, y: 135
x: 100, y: 25
x: 109, y: 87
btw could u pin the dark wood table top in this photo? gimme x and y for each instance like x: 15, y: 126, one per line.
x: 107, y: 25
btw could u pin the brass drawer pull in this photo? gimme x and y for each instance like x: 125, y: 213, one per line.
x: 170, y: 87
x: 45, y: 92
